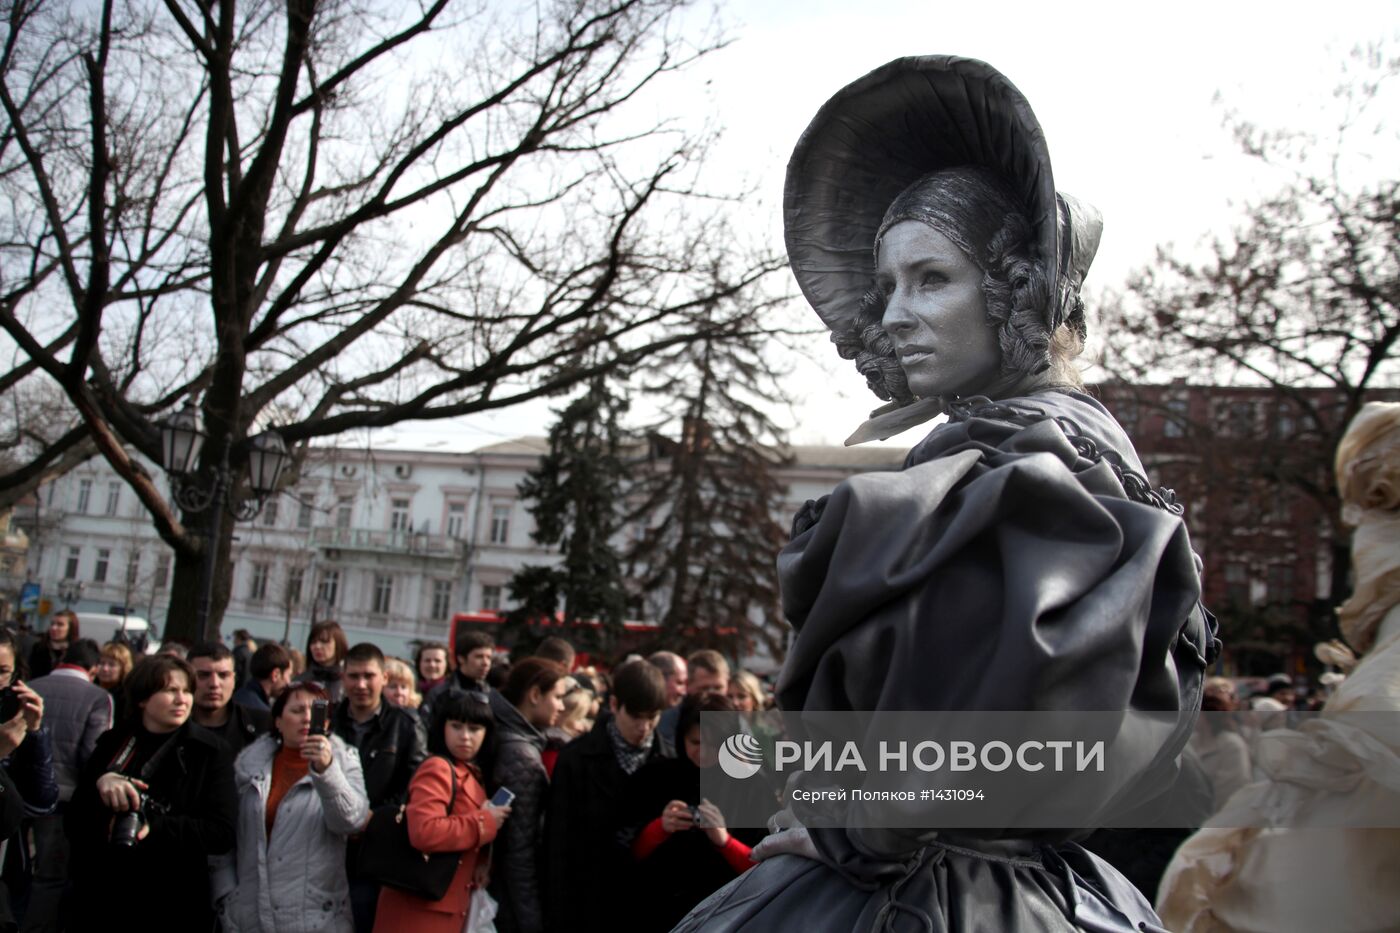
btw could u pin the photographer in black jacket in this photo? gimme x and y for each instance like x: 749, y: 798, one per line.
x: 392, y: 744
x: 153, y: 801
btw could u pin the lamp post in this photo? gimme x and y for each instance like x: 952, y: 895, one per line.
x: 69, y: 592
x: 182, y: 438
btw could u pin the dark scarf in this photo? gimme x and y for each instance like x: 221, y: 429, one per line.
x: 629, y: 757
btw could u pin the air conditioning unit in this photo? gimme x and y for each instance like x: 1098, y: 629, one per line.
x: 403, y: 470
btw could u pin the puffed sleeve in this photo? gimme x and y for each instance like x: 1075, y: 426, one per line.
x: 1015, y: 564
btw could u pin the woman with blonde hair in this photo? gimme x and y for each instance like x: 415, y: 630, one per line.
x: 400, y: 686
x: 746, y: 693
x: 116, y: 663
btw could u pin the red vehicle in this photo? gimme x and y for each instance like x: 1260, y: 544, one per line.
x: 636, y: 635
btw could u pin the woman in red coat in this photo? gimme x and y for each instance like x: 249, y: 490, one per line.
x: 461, y: 725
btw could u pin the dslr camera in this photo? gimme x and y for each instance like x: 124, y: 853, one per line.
x: 127, y: 824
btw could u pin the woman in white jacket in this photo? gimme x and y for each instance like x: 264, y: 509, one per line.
x: 299, y: 796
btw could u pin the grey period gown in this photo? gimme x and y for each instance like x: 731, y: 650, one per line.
x: 1019, y: 561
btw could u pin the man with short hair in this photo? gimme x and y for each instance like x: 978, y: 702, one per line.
x: 269, y: 673
x: 672, y: 667
x: 76, y: 712
x: 559, y: 651
x: 585, y: 811
x: 392, y: 744
x: 243, y: 648
x: 1279, y: 696
x: 709, y: 673
x: 475, y: 651
x: 234, y: 725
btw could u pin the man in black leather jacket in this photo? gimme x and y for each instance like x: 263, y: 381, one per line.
x: 392, y: 744
x: 214, y: 707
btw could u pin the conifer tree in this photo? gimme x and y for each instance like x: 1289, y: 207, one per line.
x: 576, y: 498
x: 704, y: 553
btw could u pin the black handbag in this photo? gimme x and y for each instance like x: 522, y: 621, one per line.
x: 388, y: 857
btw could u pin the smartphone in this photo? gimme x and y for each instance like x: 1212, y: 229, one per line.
x: 503, y: 797
x: 320, y: 720
x: 9, y: 704
x: 695, y: 816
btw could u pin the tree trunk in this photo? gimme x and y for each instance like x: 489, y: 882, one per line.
x: 187, y: 585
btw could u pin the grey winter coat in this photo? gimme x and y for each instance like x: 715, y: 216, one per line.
x: 294, y: 882
x: 519, y: 766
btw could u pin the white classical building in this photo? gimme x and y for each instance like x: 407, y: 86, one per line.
x: 388, y: 543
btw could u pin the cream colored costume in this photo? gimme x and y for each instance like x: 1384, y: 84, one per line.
x: 1318, y: 877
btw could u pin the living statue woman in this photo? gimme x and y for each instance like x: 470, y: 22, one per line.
x: 1019, y: 561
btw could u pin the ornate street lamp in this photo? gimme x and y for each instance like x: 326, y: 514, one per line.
x: 182, y: 438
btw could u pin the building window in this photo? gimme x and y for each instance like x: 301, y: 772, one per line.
x: 84, y: 496
x: 329, y: 588
x: 500, y: 524
x: 99, y: 572
x: 70, y: 570
x: 1175, y: 424
x: 383, y: 594
x: 257, y: 583
x: 303, y: 514
x: 1127, y: 414
x: 344, y: 511
x: 1279, y: 507
x: 1280, y: 583
x: 490, y: 597
x: 1237, y: 584
x: 133, y: 569
x: 1285, y: 422
x: 114, y: 497
x: 442, y: 598
x: 456, y: 519
x: 163, y: 572
x: 269, y: 513
x: 1239, y: 419
x: 48, y: 500
x: 295, y: 577
x: 398, y: 514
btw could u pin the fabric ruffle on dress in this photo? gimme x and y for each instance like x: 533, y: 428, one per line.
x: 1333, y: 772
x: 1019, y: 561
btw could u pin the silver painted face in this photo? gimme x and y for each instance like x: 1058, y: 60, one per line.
x: 935, y: 312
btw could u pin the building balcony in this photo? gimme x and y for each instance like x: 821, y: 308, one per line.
x: 375, y: 541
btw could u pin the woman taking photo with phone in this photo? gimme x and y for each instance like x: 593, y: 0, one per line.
x: 447, y: 812
x: 301, y: 792
x: 154, y: 801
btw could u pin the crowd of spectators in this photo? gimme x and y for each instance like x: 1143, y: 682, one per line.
x: 241, y: 794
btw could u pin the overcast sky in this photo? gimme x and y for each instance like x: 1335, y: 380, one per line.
x: 1127, y: 95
